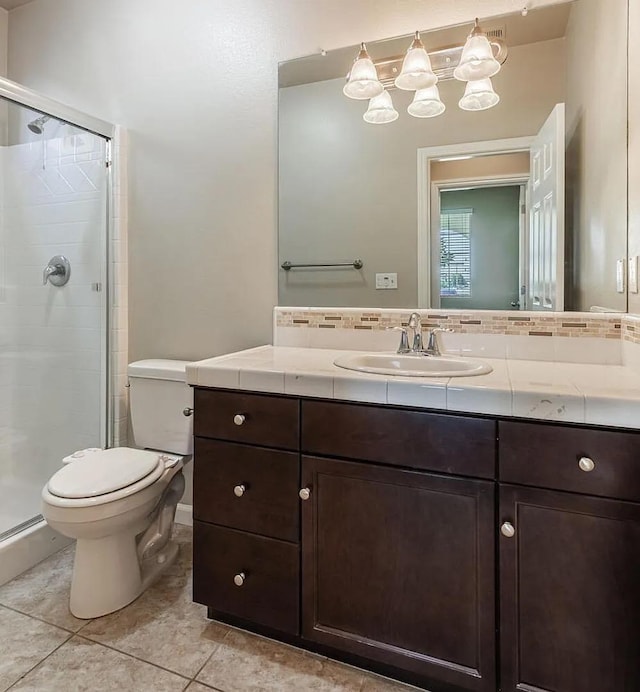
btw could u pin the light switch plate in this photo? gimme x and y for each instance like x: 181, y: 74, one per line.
x: 386, y: 281
x: 620, y: 275
x: 633, y: 274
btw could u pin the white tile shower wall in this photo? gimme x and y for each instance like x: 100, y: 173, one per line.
x: 54, y: 195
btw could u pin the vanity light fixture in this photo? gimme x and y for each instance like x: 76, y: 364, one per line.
x: 362, y: 81
x: 426, y: 103
x: 479, y: 96
x: 477, y: 60
x: 473, y: 62
x: 381, y: 110
x: 416, y: 72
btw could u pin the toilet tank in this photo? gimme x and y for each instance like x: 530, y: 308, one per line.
x: 158, y: 395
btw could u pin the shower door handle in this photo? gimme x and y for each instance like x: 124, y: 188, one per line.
x: 57, y: 271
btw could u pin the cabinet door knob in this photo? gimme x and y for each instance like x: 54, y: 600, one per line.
x: 586, y: 464
x: 239, y: 579
x: 507, y: 529
x: 305, y: 494
x: 187, y: 412
x: 239, y: 419
x: 239, y: 490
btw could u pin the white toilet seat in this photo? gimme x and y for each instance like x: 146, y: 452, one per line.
x: 106, y: 476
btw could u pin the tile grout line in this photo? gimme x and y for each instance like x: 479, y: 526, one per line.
x: 39, y: 663
x: 209, y: 657
x: 129, y: 655
x: 39, y: 619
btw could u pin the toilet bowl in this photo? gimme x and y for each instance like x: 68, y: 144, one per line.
x: 119, y: 504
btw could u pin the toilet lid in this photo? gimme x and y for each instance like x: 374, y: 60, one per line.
x: 105, y: 472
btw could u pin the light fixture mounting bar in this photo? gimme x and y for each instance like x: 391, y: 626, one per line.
x: 443, y: 62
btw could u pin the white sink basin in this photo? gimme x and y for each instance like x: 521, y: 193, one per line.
x: 412, y: 365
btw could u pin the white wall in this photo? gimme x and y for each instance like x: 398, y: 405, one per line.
x: 634, y: 142
x: 195, y: 83
x: 597, y: 149
x: 4, y: 39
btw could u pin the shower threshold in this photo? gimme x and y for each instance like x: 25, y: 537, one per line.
x: 14, y: 530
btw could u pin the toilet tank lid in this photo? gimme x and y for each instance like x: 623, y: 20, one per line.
x: 159, y: 369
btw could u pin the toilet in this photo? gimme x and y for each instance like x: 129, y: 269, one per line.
x: 119, y: 504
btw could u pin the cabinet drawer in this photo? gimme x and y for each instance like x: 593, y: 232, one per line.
x: 450, y: 444
x: 549, y: 456
x: 247, y: 488
x: 268, y: 596
x: 269, y: 421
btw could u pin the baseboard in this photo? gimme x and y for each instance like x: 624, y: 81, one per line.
x: 27, y: 548
x: 184, y: 514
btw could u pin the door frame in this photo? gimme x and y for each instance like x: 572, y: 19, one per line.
x: 424, y: 157
x: 516, y: 180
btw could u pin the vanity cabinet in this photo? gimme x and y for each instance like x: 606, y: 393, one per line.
x: 456, y: 552
x: 398, y: 567
x: 569, y: 592
x: 569, y: 558
x: 246, y: 534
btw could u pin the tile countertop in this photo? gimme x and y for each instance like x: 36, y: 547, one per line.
x: 567, y: 392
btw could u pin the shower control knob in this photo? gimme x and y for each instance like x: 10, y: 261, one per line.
x: 239, y: 419
x: 587, y: 465
x: 508, y: 530
x: 239, y: 579
x: 239, y: 490
x: 305, y: 494
x: 187, y: 412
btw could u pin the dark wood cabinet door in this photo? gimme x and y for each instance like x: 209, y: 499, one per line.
x: 398, y: 567
x: 416, y: 439
x: 570, y: 593
x: 247, y: 576
x: 248, y: 488
x: 254, y: 419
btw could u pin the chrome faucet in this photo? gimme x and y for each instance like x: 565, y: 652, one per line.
x: 417, y: 343
x: 415, y: 324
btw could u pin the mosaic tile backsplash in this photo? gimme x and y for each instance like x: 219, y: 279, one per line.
x: 606, y: 325
x: 631, y: 328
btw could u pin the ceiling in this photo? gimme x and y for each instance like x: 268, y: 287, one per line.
x: 11, y: 4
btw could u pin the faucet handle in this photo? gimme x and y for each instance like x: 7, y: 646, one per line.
x: 433, y: 347
x: 404, y: 339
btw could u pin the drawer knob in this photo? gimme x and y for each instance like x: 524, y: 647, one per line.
x: 239, y: 490
x: 586, y: 464
x: 507, y: 529
x: 305, y: 494
x: 187, y: 412
x: 239, y: 419
x: 239, y: 579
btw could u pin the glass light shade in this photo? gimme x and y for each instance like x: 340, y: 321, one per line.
x: 426, y: 103
x: 362, y: 82
x: 381, y: 110
x: 477, y: 60
x: 478, y: 96
x: 416, y: 70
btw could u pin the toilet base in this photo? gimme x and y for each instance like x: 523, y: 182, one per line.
x: 107, y: 574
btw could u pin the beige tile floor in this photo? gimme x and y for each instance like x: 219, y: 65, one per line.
x: 161, y: 642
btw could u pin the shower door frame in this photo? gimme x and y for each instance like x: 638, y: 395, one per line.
x: 22, y: 96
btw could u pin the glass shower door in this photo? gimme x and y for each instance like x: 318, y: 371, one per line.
x: 53, y: 319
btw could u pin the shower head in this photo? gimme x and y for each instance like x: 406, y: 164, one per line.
x: 37, y: 126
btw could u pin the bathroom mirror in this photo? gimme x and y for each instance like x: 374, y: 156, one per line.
x: 519, y: 206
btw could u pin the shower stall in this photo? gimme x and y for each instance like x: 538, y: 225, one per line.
x: 55, y: 299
